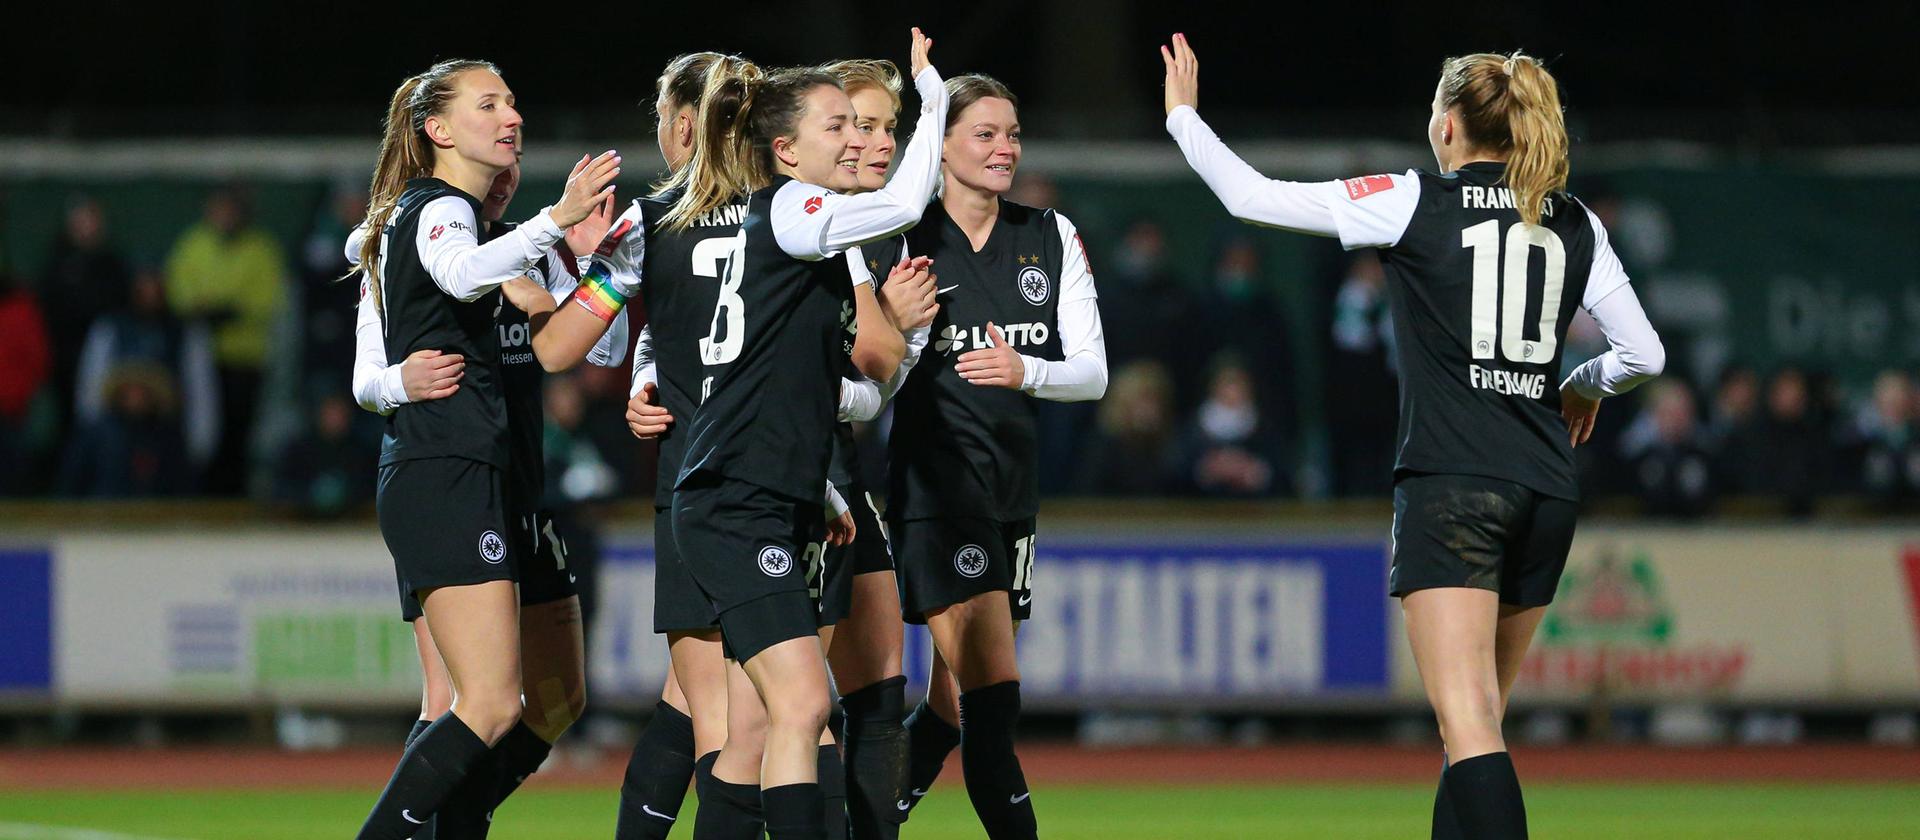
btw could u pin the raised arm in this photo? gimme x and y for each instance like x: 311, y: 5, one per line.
x: 1320, y: 208
x: 814, y: 223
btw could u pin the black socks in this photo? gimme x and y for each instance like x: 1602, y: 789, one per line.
x: 877, y: 759
x: 432, y: 767
x: 727, y: 811
x: 657, y: 776
x: 795, y: 812
x: 929, y: 741
x: 995, y: 782
x: 1485, y: 794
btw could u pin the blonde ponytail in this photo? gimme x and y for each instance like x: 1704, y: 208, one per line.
x: 1510, y: 104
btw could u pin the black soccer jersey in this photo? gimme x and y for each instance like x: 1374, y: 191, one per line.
x: 419, y: 315
x: 681, y: 283
x: 1481, y: 304
x: 959, y: 449
x: 771, y: 356
x: 843, y: 469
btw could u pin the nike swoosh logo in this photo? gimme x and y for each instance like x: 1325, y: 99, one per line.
x: 903, y: 805
x: 1015, y: 800
x: 652, y: 813
x: 1025, y: 600
x: 917, y: 793
x: 947, y: 289
x: 409, y: 818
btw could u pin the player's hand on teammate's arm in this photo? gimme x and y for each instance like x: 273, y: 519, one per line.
x: 840, y: 529
x: 432, y: 375
x: 922, y: 45
x: 528, y: 296
x: 590, y: 183
x: 584, y: 238
x: 1183, y: 74
x: 997, y: 366
x: 645, y: 417
x: 909, y: 292
x: 1579, y: 412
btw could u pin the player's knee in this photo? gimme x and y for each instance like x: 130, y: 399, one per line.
x: 798, y: 712
x: 1469, y: 716
x: 488, y: 714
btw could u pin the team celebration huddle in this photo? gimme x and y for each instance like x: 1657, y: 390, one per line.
x: 796, y: 270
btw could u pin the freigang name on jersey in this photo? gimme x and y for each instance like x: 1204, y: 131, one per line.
x: 1494, y: 198
x: 958, y: 339
x: 1530, y: 385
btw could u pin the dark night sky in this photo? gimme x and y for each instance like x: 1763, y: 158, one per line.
x: 1833, y: 74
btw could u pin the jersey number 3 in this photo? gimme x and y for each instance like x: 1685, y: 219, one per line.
x: 727, y: 333
x: 1502, y: 285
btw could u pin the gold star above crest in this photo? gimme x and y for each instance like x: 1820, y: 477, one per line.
x: 1035, y: 258
x: 1023, y: 259
x: 873, y: 265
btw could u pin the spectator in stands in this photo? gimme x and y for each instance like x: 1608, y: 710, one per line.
x: 1793, y: 451
x: 326, y: 306
x: 329, y: 471
x: 1230, y: 448
x: 134, y: 449
x: 1133, y: 451
x: 1673, y: 471
x: 1236, y: 313
x: 1146, y: 309
x: 147, y: 332
x: 1736, y: 430
x: 1361, y: 386
x: 25, y: 347
x: 230, y: 275
x: 81, y: 258
x: 1888, y: 436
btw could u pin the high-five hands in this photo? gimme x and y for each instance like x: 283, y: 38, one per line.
x: 1183, y: 74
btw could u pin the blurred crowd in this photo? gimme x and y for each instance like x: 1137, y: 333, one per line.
x: 221, y: 369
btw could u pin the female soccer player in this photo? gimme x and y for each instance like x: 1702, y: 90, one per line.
x: 442, y: 503
x: 552, y: 651
x: 1019, y: 319
x: 1484, y: 490
x: 745, y: 505
x: 859, y: 599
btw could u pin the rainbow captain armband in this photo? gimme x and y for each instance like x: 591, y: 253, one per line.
x: 598, y: 295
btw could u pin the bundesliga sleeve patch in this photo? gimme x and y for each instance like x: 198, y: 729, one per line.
x: 613, y: 238
x: 813, y: 204
x: 1359, y: 188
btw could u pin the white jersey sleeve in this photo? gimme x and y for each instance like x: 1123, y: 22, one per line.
x: 814, y: 223
x: 1082, y: 374
x: 622, y: 252
x: 450, y: 249
x: 1634, y: 353
x: 644, y: 371
x: 1363, y: 212
x: 556, y: 275
x: 377, y: 386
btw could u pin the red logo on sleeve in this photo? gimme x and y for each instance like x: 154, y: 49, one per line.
x: 1359, y: 188
x: 613, y: 238
x: 813, y: 205
x: 437, y: 230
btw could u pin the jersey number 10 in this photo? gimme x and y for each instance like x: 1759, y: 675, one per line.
x: 1502, y: 284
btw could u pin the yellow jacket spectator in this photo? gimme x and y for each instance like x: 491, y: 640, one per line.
x: 231, y: 275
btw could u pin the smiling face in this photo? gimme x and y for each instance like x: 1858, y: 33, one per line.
x: 982, y: 149
x: 874, y: 119
x: 479, y: 123
x: 494, y: 206
x: 823, y: 148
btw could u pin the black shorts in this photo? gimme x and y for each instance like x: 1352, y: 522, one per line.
x: 542, y: 553
x: 868, y: 553
x: 943, y: 562
x: 446, y: 523
x: 1478, y: 532
x: 753, y: 553
x: 678, y: 605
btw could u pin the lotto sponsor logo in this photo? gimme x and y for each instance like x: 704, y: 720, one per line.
x: 1529, y: 385
x: 1359, y: 188
x: 958, y: 339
